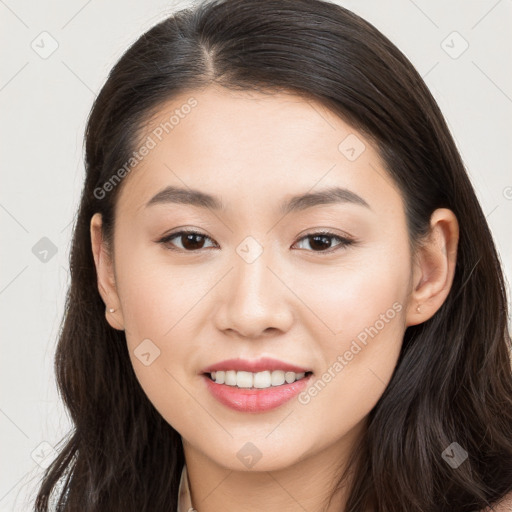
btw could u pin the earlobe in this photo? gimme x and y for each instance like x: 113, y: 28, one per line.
x: 434, y: 267
x: 105, y: 275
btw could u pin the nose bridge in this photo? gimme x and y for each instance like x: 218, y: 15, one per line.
x: 251, y: 275
x: 253, y: 298
x: 251, y: 269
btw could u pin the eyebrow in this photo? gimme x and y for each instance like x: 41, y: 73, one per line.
x: 332, y: 195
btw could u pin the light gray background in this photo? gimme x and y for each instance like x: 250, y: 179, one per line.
x: 44, y: 104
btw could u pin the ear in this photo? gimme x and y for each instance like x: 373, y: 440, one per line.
x: 105, y: 274
x: 434, y: 267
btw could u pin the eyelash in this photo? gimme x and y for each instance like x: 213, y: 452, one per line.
x: 344, y: 242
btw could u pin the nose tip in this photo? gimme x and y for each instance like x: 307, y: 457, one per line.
x: 253, y: 302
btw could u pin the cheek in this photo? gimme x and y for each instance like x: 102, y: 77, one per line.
x: 361, y: 307
x: 158, y: 310
x: 157, y: 297
x: 350, y: 296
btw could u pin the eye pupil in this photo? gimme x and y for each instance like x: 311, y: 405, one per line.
x: 324, y: 245
x: 193, y: 238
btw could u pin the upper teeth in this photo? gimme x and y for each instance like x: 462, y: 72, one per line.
x: 258, y: 380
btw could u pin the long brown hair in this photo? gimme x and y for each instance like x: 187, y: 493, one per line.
x: 453, y: 380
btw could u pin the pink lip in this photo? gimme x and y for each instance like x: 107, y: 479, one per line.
x: 255, y: 400
x: 259, y: 365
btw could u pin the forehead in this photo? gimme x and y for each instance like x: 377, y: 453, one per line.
x: 246, y: 146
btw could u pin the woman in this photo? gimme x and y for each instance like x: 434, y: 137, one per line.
x: 284, y: 292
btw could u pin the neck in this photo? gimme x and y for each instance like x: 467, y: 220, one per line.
x: 307, y: 484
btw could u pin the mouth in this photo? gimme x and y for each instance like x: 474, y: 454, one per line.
x: 256, y: 380
x: 255, y: 393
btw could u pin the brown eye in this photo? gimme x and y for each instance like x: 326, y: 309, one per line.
x: 190, y: 240
x: 321, y: 241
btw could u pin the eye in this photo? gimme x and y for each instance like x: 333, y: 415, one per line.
x: 320, y: 241
x: 192, y: 241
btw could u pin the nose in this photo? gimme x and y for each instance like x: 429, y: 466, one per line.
x: 254, y: 300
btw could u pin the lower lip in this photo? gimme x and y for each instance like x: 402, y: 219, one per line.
x: 255, y: 400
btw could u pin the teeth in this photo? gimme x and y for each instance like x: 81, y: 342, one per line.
x: 258, y: 380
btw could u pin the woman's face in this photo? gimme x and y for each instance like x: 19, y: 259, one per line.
x: 257, y: 283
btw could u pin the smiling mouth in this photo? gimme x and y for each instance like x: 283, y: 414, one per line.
x: 258, y: 380
x: 263, y: 393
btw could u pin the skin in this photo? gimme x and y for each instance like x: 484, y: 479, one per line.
x: 294, y: 302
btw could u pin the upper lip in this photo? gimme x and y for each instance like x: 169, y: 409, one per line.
x: 254, y: 366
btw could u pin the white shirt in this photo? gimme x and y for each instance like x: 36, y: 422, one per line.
x: 184, y: 499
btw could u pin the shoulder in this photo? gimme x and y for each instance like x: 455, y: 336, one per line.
x: 503, y: 505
